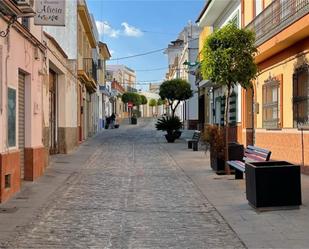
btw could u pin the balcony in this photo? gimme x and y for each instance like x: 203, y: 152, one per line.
x: 88, y: 74
x: 276, y: 17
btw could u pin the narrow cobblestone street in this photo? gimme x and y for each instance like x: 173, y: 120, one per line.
x: 129, y: 194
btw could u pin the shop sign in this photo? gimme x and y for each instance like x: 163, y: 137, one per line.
x: 50, y: 12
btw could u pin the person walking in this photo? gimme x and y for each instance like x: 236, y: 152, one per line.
x: 112, y: 123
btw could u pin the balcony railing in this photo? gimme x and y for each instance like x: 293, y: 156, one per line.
x: 276, y: 17
x: 90, y: 68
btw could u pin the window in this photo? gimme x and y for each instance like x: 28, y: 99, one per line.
x: 11, y: 117
x: 220, y: 109
x: 258, y: 7
x: 271, y: 103
x: 301, y: 97
x: 235, y: 19
x: 7, y: 181
x: 25, y: 21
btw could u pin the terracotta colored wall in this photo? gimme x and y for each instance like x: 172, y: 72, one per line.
x: 285, y: 145
x: 34, y: 163
x: 9, y: 164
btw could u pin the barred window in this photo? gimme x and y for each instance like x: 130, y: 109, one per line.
x: 271, y: 103
x: 301, y: 97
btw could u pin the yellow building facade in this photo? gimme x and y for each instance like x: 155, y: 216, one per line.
x: 280, y: 101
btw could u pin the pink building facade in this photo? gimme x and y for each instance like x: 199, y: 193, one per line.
x: 22, y: 59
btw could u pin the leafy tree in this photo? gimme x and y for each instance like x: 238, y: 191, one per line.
x: 131, y: 97
x: 143, y: 100
x: 175, y: 91
x: 160, y: 102
x: 152, y: 103
x: 228, y: 60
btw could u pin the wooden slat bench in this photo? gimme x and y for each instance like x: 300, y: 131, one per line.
x: 252, y: 154
x: 193, y: 142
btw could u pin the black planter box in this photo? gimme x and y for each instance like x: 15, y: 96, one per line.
x: 236, y: 152
x: 217, y: 164
x: 273, y: 184
x: 133, y: 120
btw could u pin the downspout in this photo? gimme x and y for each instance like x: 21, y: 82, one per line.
x: 6, y: 86
x: 253, y: 112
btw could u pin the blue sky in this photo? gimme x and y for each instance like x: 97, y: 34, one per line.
x: 132, y: 27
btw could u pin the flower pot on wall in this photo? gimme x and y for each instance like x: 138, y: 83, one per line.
x: 273, y: 184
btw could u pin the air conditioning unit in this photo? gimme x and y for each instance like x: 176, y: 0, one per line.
x: 26, y: 7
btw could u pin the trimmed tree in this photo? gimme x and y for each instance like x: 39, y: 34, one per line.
x: 152, y: 103
x: 160, y: 102
x: 143, y: 100
x: 134, y: 98
x: 175, y: 91
x: 228, y: 60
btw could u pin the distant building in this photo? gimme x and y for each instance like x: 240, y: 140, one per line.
x: 123, y: 75
x: 182, y: 55
x: 154, y: 88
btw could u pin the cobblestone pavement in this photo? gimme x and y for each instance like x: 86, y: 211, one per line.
x: 130, y: 194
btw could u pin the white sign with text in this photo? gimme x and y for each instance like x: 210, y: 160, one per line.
x: 50, y: 12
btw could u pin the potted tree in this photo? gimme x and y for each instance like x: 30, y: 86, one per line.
x: 170, y: 125
x: 152, y: 104
x: 228, y: 60
x: 133, y: 98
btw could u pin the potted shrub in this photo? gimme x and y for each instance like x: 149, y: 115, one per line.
x: 170, y: 125
x: 214, y: 138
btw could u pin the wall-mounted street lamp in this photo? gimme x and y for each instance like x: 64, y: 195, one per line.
x: 4, y: 33
x: 190, y: 64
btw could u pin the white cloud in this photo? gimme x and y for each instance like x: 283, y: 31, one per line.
x: 112, y: 52
x: 105, y: 29
x: 131, y: 30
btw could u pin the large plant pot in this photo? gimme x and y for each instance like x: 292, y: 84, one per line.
x: 273, y: 184
x: 217, y: 164
x: 177, y: 134
x: 133, y: 120
x: 236, y: 152
x: 170, y: 138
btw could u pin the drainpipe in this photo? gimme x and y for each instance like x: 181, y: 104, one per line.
x: 253, y: 112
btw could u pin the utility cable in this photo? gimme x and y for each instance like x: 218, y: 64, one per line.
x: 137, y: 55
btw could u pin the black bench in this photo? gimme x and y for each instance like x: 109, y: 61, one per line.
x: 193, y: 142
x: 251, y: 154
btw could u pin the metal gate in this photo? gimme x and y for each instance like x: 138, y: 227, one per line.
x: 52, y: 113
x: 21, y: 121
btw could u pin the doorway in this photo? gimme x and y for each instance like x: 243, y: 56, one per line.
x: 21, y: 121
x: 52, y: 112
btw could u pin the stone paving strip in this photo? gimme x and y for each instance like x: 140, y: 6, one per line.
x: 129, y: 194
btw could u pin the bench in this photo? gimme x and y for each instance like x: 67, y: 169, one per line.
x: 251, y: 154
x: 193, y: 142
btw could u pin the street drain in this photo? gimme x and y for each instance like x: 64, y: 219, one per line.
x: 61, y: 162
x: 8, y: 210
x: 22, y: 198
